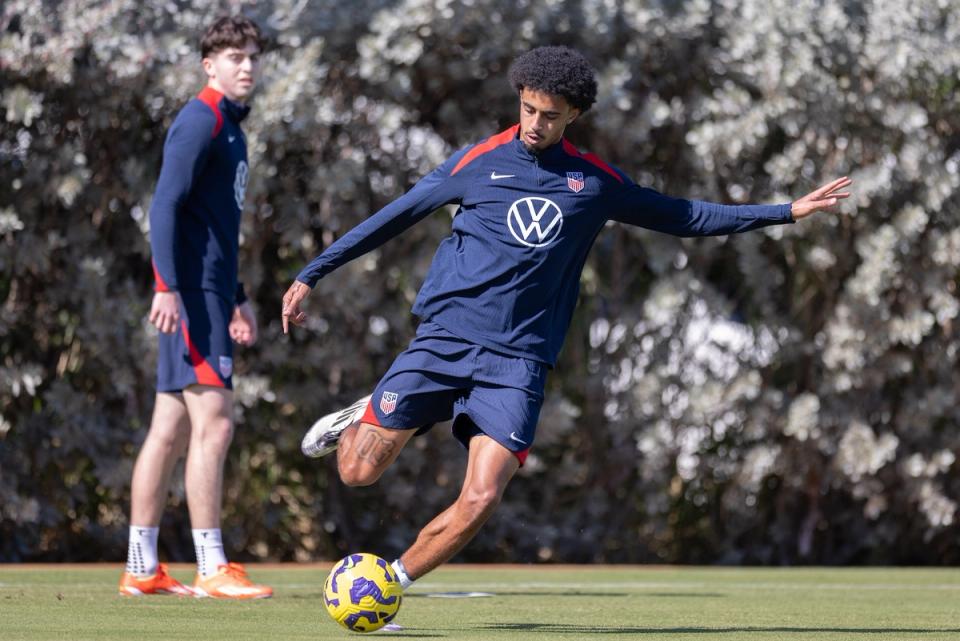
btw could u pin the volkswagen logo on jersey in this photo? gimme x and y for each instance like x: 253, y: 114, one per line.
x: 240, y: 183
x: 534, y: 221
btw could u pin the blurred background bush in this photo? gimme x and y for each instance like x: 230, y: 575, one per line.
x: 783, y: 397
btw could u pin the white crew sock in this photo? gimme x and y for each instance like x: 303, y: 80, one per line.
x: 142, y: 550
x: 209, y: 546
x: 405, y: 581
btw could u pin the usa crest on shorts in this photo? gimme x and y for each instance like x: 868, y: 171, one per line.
x: 388, y: 402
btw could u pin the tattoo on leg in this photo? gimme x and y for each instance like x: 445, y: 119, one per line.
x: 373, y: 448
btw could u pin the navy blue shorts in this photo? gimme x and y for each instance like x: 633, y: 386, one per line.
x: 200, y: 352
x: 441, y: 376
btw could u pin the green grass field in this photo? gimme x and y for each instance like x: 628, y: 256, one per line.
x: 528, y: 602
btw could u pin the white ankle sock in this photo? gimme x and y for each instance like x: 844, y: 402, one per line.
x: 405, y: 581
x: 142, y: 550
x: 210, y: 553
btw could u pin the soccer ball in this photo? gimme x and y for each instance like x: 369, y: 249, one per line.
x: 362, y: 592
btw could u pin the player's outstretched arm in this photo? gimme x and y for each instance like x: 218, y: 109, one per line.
x: 821, y: 198
x: 291, y: 305
x: 648, y: 208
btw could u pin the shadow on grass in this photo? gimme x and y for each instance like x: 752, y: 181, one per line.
x: 557, y: 628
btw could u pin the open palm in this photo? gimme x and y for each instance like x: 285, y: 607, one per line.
x: 821, y: 198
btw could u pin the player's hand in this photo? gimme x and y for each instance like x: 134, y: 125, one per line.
x: 243, y: 325
x: 291, y: 305
x: 165, y: 312
x: 821, y: 198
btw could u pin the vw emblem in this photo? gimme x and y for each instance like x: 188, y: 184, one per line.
x: 534, y: 221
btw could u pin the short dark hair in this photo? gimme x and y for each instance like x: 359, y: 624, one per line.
x: 560, y: 71
x: 230, y: 31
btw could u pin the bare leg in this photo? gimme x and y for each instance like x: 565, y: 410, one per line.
x: 211, y: 418
x: 489, y: 469
x: 366, y: 451
x: 165, y: 444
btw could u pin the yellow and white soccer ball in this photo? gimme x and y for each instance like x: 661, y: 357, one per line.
x: 362, y: 592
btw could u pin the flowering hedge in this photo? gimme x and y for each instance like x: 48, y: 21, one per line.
x: 786, y: 396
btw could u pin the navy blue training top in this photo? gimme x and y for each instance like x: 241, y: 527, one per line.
x: 508, y: 275
x: 195, y: 214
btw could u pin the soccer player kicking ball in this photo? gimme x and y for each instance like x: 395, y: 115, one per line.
x: 498, y: 298
x: 199, y: 307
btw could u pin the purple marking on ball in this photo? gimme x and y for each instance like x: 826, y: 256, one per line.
x: 343, y: 567
x: 363, y: 587
x: 352, y: 620
x: 386, y: 569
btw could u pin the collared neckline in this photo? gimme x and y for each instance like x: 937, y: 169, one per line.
x: 550, y: 154
x: 236, y: 111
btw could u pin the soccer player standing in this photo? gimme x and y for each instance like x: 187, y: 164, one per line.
x: 499, y: 296
x: 198, y: 307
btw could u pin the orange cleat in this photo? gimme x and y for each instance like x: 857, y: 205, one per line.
x: 159, y: 583
x: 230, y: 582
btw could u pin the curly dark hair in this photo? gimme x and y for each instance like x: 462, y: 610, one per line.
x: 230, y: 31
x: 560, y: 71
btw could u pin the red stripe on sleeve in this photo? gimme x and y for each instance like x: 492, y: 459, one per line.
x: 205, y: 373
x: 489, y: 144
x: 161, y: 285
x: 369, y: 416
x: 211, y: 98
x: 590, y: 158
